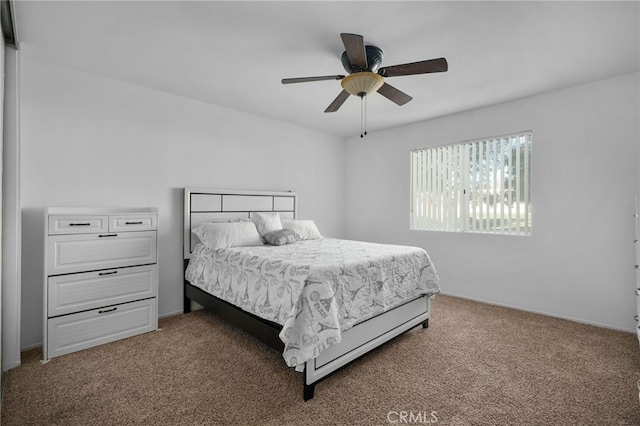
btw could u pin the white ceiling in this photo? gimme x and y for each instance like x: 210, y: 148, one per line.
x: 234, y: 54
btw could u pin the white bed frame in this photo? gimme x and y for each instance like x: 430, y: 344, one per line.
x: 205, y: 204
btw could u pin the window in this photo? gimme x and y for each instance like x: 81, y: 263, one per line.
x: 481, y: 186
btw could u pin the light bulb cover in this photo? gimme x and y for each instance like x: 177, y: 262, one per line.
x: 362, y: 82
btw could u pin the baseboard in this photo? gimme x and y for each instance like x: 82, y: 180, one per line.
x: 535, y: 311
x: 29, y: 347
x: 194, y: 307
x: 170, y: 314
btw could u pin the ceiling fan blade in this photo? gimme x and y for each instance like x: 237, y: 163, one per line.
x: 337, y: 102
x: 393, y: 94
x: 354, y: 45
x: 306, y: 79
x: 421, y: 67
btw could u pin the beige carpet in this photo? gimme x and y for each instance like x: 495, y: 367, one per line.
x: 476, y: 365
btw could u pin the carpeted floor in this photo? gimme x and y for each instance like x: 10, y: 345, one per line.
x: 476, y: 365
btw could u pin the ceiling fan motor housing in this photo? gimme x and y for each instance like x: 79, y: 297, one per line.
x: 374, y: 59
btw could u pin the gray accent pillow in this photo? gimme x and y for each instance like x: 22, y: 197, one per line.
x: 281, y: 237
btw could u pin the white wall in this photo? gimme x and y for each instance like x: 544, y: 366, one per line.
x: 91, y: 141
x: 578, y: 263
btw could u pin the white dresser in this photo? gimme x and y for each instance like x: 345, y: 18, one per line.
x: 101, y: 276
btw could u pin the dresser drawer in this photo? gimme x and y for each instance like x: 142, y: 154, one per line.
x: 81, y: 224
x: 90, y: 252
x: 81, y: 292
x: 70, y: 333
x: 133, y: 222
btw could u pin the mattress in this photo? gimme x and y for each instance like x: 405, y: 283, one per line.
x: 315, y: 289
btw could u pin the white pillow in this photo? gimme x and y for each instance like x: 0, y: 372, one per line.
x: 216, y: 235
x: 306, y: 229
x: 266, y: 222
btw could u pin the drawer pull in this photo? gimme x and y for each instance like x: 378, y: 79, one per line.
x: 79, y: 224
x: 104, y: 311
x: 115, y: 272
x: 107, y: 235
x: 133, y: 223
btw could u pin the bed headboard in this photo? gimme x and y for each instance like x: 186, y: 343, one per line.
x: 206, y: 204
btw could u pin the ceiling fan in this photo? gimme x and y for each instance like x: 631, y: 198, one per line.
x: 362, y: 63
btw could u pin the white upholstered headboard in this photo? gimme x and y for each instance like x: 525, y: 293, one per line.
x: 206, y: 204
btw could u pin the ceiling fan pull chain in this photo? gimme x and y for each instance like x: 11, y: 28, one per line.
x: 365, y: 114
x: 362, y: 116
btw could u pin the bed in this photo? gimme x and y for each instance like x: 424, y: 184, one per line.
x: 322, y: 302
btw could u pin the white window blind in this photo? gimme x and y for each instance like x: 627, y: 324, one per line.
x: 481, y: 186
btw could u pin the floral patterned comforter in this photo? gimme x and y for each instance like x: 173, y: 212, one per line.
x: 315, y: 289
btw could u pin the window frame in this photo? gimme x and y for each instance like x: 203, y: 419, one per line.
x: 467, y: 185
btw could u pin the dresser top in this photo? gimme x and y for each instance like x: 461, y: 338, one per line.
x: 100, y: 210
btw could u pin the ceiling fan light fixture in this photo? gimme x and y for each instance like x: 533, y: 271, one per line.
x: 360, y: 83
x: 362, y: 63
